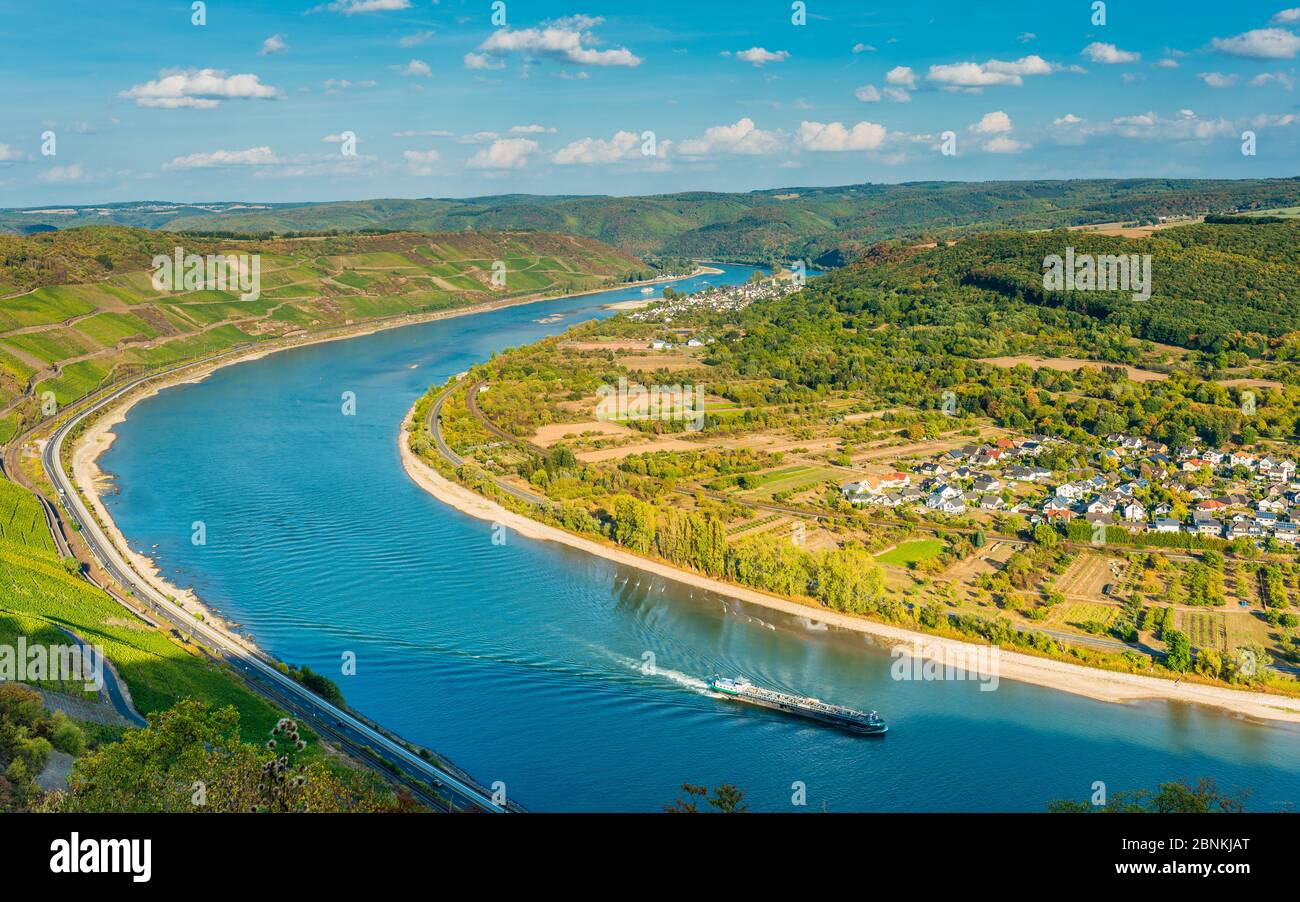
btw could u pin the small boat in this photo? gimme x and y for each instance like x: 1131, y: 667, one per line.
x: 742, y: 690
x: 647, y: 290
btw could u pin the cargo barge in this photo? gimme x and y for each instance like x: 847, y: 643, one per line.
x: 742, y: 690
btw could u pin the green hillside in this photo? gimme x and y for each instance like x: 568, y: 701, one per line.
x: 81, y: 310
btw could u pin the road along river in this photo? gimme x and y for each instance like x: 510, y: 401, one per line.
x: 525, y: 662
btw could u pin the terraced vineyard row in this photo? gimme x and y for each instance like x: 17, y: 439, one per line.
x: 22, y: 521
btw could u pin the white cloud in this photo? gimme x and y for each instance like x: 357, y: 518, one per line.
x: 1109, y: 54
x: 761, y: 55
x: 974, y: 76
x: 563, y: 39
x: 1026, y: 36
x: 624, y: 146
x: 741, y: 137
x: 507, y: 153
x: 1287, y: 16
x: 1067, y: 119
x: 414, y: 40
x: 1261, y: 43
x: 901, y: 76
x: 253, y: 156
x: 998, y: 125
x: 834, y: 136
x: 9, y: 154
x: 199, y: 89
x: 533, y: 129
x: 274, y: 44
x: 415, y: 68
x: 1217, y: 79
x: 898, y: 95
x: 63, y: 174
x: 1166, y: 64
x: 863, y: 48
x: 1265, y: 120
x: 1266, y: 78
x: 992, y: 124
x: 355, y: 7
x: 1003, y: 144
x: 867, y: 94
x: 420, y: 162
x: 483, y: 61
x: 1186, y: 125
x: 1145, y: 120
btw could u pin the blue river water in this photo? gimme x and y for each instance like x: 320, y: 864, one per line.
x: 523, y: 662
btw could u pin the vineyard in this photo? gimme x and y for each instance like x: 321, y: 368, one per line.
x: 40, y: 598
x: 22, y: 521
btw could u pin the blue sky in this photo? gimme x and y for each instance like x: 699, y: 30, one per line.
x: 252, y: 105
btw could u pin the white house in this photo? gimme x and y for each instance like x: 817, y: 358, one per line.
x: 1134, y: 512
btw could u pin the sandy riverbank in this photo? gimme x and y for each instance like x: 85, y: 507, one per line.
x: 92, y: 482
x: 1102, y: 685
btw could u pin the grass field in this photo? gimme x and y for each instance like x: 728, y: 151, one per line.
x: 911, y: 552
x: 1285, y: 212
x: 1079, y: 613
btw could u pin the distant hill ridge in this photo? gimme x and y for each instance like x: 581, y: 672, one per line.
x: 827, y: 225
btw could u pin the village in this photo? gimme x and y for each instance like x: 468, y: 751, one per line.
x: 1138, y: 486
x: 720, y: 299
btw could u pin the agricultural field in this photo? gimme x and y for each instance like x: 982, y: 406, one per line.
x: 1285, y: 212
x: 1205, y: 629
x: 1089, y: 575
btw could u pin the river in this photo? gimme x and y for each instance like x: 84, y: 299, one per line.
x: 525, y: 662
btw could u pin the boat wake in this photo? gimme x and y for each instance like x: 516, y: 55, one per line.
x: 685, y: 680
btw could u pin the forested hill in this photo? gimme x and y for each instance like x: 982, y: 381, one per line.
x: 1214, y: 287
x: 826, y: 225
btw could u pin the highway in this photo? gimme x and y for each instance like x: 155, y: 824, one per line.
x: 328, y: 719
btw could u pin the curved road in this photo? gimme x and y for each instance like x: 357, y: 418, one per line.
x: 296, y: 697
x: 435, y: 430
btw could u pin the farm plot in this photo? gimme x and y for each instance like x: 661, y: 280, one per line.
x: 1084, y: 614
x: 1205, y: 629
x: 1087, y: 577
